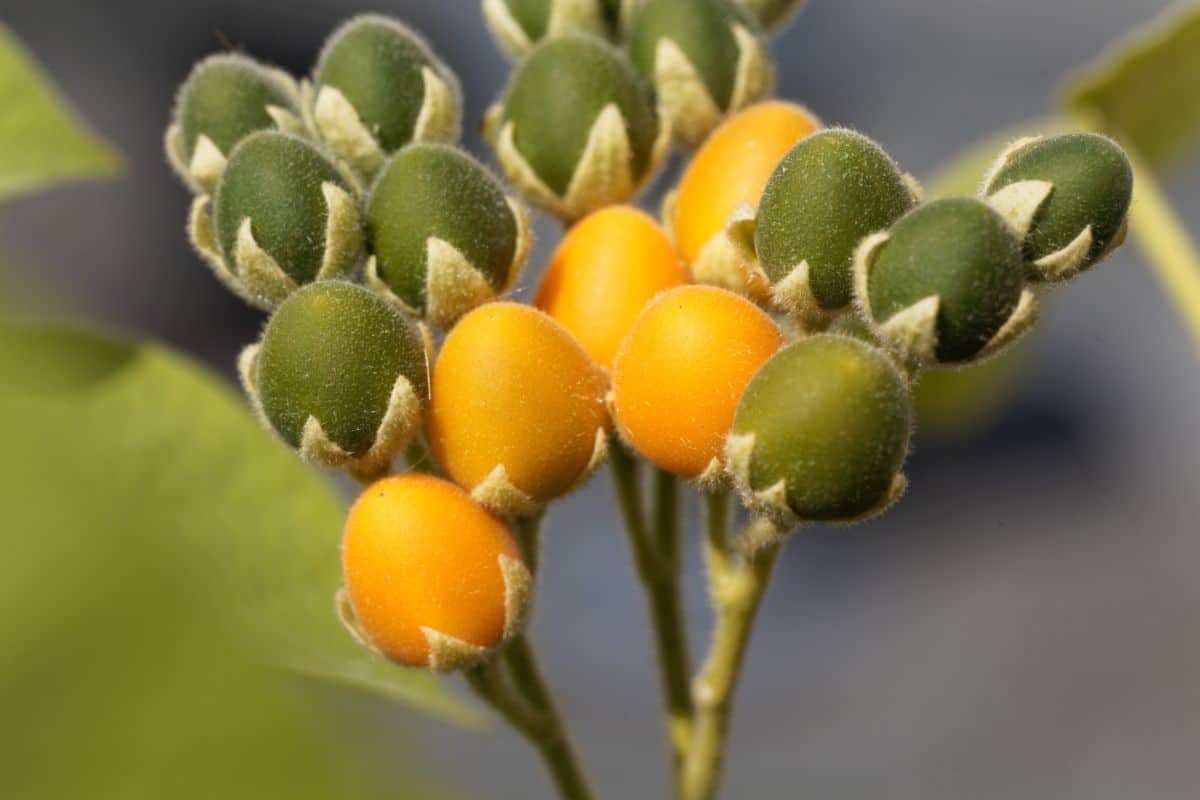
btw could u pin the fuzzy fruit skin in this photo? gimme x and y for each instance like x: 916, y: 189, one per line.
x: 831, y: 417
x: 961, y: 250
x: 225, y: 98
x: 604, y: 272
x: 557, y: 93
x: 418, y: 552
x: 333, y: 350
x: 830, y: 190
x: 532, y: 15
x: 376, y: 63
x: 702, y: 29
x: 732, y: 167
x: 434, y: 190
x: 1093, y: 185
x: 274, y: 179
x: 681, y: 369
x: 511, y: 386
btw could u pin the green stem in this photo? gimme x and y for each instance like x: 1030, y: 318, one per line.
x: 738, y: 583
x: 657, y: 559
x: 1167, y: 246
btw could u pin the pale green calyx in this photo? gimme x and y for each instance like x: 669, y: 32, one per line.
x: 449, y: 653
x: 727, y: 260
x: 338, y: 123
x: 685, y: 98
x: 793, y: 295
x: 253, y: 274
x: 453, y: 285
x: 500, y: 495
x: 516, y: 39
x: 772, y: 502
x: 603, y: 175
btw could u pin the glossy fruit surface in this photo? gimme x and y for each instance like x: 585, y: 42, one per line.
x: 512, y: 387
x: 417, y: 553
x: 681, y: 369
x: 605, y: 270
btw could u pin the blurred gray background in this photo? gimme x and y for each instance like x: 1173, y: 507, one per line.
x: 1022, y: 625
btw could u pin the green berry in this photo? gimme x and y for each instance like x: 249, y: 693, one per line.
x: 334, y: 351
x: 436, y: 191
x: 379, y: 66
x: 829, y: 192
x: 703, y: 31
x: 960, y: 251
x: 827, y: 420
x: 553, y: 102
x: 276, y: 181
x: 1092, y: 185
x: 518, y: 25
x: 225, y: 98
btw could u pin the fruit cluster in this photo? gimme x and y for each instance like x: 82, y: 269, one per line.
x: 765, y: 336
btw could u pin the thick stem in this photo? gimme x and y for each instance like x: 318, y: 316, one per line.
x: 738, y: 584
x: 657, y: 558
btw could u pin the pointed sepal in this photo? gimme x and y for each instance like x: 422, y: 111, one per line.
x: 727, y: 260
x: 497, y: 493
x: 1023, y: 318
x: 563, y: 15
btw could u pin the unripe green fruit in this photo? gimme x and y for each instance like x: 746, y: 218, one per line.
x: 1091, y: 188
x: 334, y: 352
x: 377, y: 87
x: 436, y: 192
x: 772, y: 13
x: 830, y: 191
x: 705, y: 58
x: 518, y: 25
x: 226, y: 98
x: 275, y: 181
x: 822, y: 430
x: 963, y: 253
x: 553, y: 105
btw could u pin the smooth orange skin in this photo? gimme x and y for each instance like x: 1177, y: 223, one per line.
x: 681, y: 370
x: 418, y: 552
x: 732, y: 167
x: 608, y: 266
x: 512, y: 386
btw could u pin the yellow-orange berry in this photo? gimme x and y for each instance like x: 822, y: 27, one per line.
x: 431, y: 576
x: 681, y: 370
x: 517, y: 414
x: 608, y: 266
x: 731, y: 168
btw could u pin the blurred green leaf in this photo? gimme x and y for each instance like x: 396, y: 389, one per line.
x: 952, y: 401
x: 963, y: 173
x: 41, y: 140
x: 106, y: 441
x: 1146, y: 89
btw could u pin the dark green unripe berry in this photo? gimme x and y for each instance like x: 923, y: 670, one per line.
x: 517, y: 25
x: 577, y: 128
x: 822, y: 431
x: 445, y: 237
x: 830, y: 191
x: 772, y: 14
x: 275, y: 202
x: 959, y: 251
x: 340, y: 374
x: 378, y: 87
x: 705, y: 58
x: 1080, y: 216
x: 224, y: 99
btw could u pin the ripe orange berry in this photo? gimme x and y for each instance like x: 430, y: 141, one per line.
x: 517, y: 414
x: 425, y: 566
x: 681, y: 370
x: 603, y: 273
x: 731, y: 168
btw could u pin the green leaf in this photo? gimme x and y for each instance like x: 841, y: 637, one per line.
x: 41, y: 140
x: 113, y: 441
x: 1144, y: 89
